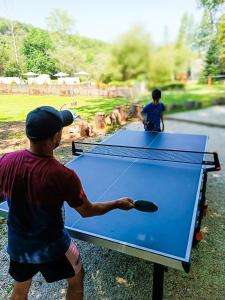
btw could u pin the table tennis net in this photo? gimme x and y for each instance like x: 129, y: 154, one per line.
x: 170, y: 155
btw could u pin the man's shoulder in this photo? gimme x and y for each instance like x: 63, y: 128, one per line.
x: 58, y: 167
x: 11, y: 155
x: 57, y: 164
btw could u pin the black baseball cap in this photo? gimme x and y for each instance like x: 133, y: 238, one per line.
x: 44, y: 121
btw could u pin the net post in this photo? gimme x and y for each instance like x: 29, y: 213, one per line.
x: 217, y: 162
x: 73, y: 148
x: 76, y: 151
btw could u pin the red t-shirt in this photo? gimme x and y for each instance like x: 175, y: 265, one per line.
x: 35, y: 188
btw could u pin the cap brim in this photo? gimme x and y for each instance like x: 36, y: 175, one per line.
x: 67, y: 117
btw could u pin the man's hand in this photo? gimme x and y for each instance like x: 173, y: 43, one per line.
x: 125, y: 203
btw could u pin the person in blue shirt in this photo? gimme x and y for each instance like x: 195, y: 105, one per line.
x: 153, y: 113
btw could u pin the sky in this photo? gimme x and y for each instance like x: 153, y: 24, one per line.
x: 106, y: 20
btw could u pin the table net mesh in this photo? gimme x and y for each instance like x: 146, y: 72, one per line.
x: 192, y: 157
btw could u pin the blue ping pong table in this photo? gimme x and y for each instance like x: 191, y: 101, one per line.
x: 164, y: 237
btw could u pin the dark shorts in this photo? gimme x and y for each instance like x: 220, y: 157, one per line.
x: 150, y: 127
x: 155, y: 130
x: 63, y: 267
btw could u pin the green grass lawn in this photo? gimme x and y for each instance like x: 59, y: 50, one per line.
x: 15, y: 108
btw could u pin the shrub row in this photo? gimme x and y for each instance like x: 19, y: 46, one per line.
x: 190, y: 104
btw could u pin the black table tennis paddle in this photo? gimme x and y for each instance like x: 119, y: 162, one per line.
x: 145, y: 206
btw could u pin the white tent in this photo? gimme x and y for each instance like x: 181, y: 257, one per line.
x: 11, y: 80
x: 41, y: 79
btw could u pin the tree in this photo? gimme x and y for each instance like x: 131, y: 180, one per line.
x: 98, y: 67
x: 4, y: 27
x: 221, y: 42
x: 68, y: 53
x: 69, y: 59
x: 5, y: 53
x: 183, y: 45
x: 59, y: 21
x: 204, y: 34
x: 12, y: 69
x: 130, y: 56
x: 36, y: 49
x: 187, y: 30
x: 161, y: 73
x: 10, y: 59
x: 212, y: 7
x: 212, y: 62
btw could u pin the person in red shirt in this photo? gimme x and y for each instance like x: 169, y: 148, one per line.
x: 35, y: 186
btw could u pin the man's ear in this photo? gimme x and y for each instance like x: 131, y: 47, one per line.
x: 56, y: 136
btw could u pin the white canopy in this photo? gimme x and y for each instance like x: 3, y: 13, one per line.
x: 44, y: 75
x: 81, y: 73
x: 60, y: 74
x: 30, y: 74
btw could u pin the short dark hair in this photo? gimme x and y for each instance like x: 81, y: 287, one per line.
x: 156, y: 94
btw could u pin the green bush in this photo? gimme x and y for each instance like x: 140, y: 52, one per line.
x: 120, y: 83
x: 176, y: 85
x: 202, y: 80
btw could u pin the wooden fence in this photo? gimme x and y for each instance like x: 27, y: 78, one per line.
x: 66, y: 90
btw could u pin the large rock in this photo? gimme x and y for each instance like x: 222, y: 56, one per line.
x: 123, y: 113
x: 100, y: 120
x: 115, y: 117
x: 135, y: 111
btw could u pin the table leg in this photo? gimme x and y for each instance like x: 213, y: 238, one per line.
x: 158, y: 280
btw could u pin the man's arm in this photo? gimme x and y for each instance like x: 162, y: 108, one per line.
x: 88, y: 209
x: 143, y: 117
x: 1, y: 191
x: 162, y: 122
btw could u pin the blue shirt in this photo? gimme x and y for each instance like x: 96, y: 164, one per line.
x: 153, y: 114
x: 35, y: 188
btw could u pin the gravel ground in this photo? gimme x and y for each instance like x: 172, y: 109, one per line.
x: 114, y: 276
